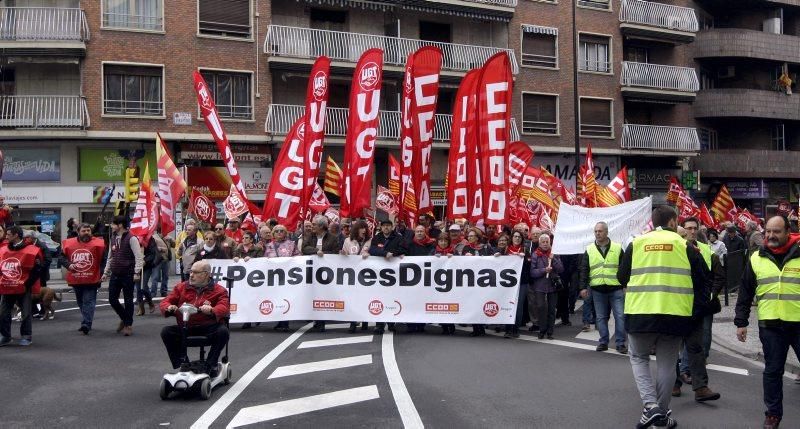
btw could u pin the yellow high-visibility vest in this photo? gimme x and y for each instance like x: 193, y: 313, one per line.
x: 603, y: 271
x: 661, y: 276
x: 706, y: 251
x: 778, y: 291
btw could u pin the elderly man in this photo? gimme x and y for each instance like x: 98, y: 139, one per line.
x: 212, y: 299
x: 187, y: 238
x: 321, y: 242
x: 224, y: 242
x: 234, y: 230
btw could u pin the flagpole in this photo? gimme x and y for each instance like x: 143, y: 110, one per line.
x: 575, y: 97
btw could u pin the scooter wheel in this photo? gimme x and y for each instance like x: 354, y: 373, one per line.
x: 205, y: 389
x: 228, y: 376
x: 164, y: 389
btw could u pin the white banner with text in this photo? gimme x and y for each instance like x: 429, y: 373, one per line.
x: 419, y: 289
x: 575, y: 225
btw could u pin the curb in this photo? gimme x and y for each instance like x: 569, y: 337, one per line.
x: 753, y: 356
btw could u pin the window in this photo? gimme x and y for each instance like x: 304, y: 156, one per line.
x: 595, y: 4
x: 637, y: 54
x: 231, y: 92
x: 595, y: 54
x: 134, y: 14
x: 539, y: 46
x: 595, y: 117
x: 133, y: 90
x: 227, y: 18
x: 539, y: 114
x: 778, y: 137
x: 708, y: 139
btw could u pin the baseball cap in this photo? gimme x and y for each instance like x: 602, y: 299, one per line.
x: 454, y: 227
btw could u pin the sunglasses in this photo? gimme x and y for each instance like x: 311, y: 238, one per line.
x: 219, y: 229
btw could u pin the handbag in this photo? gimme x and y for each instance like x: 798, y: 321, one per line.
x: 557, y: 283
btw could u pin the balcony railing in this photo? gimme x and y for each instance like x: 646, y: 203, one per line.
x: 43, y: 24
x: 659, y: 76
x: 658, y: 15
x: 299, y: 42
x: 43, y: 111
x: 506, y: 3
x: 280, y: 118
x: 660, y: 138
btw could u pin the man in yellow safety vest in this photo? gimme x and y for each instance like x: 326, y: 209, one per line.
x: 664, y: 277
x: 772, y: 277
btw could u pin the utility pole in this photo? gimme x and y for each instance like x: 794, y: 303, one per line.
x: 575, y: 97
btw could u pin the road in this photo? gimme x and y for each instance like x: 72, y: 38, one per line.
x: 336, y: 379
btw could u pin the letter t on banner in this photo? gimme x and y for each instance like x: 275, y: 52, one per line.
x: 315, y: 115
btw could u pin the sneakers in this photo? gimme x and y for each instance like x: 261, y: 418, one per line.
x: 705, y: 394
x: 25, y: 342
x: 772, y: 422
x: 623, y: 350
x: 84, y: 329
x: 666, y: 422
x: 650, y: 414
x: 4, y: 341
x: 602, y: 347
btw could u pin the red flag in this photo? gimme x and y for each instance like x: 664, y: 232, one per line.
x: 520, y: 156
x: 617, y: 191
x: 362, y: 129
x: 588, y: 180
x: 705, y: 217
x: 385, y: 201
x: 145, y: 218
x: 533, y: 185
x: 286, y: 187
x: 234, y: 205
x: 171, y: 186
x: 314, y: 120
x: 460, y: 174
x: 723, y: 204
x: 202, y: 207
x: 394, y: 176
x: 211, y: 118
x: 333, y: 177
x: 684, y: 203
x: 406, y: 189
x: 675, y: 191
x: 494, y: 94
x: 319, y: 201
x: 425, y: 78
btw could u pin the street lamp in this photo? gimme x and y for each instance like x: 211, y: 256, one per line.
x: 575, y: 98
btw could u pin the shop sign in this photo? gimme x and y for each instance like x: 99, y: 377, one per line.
x: 438, y: 196
x: 49, y: 195
x: 651, y: 178
x: 563, y: 167
x: 108, y: 165
x: 215, y: 182
x: 48, y: 221
x: 32, y: 165
x: 747, y: 189
x: 182, y: 118
x: 241, y: 152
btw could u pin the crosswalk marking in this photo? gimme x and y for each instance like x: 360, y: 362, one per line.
x: 276, y: 410
x: 335, y: 342
x: 405, y: 405
x: 322, y: 365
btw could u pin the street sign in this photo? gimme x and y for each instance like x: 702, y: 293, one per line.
x: 182, y: 118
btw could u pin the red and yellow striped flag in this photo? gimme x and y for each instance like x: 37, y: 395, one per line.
x: 722, y: 204
x: 333, y: 177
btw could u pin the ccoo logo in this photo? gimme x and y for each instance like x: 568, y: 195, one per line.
x: 375, y: 307
x: 320, y: 85
x: 491, y: 309
x: 83, y: 260
x: 368, y: 78
x: 266, y: 307
x: 11, y: 268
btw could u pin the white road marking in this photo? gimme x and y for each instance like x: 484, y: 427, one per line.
x: 322, y: 365
x: 728, y: 369
x: 335, y: 342
x: 337, y: 326
x: 238, y: 387
x: 594, y: 334
x: 408, y: 412
x: 276, y: 410
x: 100, y: 305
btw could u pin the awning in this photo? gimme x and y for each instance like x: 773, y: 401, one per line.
x: 538, y: 29
x: 421, y: 6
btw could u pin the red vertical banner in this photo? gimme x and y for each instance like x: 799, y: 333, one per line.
x: 406, y: 208
x: 171, y: 186
x: 460, y: 174
x: 286, y: 188
x: 208, y: 109
x: 362, y: 130
x: 425, y: 78
x: 520, y: 156
x: 314, y: 120
x: 494, y: 114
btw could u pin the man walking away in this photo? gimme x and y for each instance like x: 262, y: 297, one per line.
x: 123, y: 269
x: 20, y: 268
x: 82, y: 256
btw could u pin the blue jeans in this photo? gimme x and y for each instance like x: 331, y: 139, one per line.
x: 160, y: 274
x: 142, y: 292
x: 588, y: 310
x: 776, y: 342
x: 683, y: 366
x: 604, y: 304
x: 86, y: 295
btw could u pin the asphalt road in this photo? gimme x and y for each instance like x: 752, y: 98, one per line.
x: 336, y: 379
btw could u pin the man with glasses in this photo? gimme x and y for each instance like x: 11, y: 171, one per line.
x: 211, y: 300
x: 234, y: 231
x: 224, y: 242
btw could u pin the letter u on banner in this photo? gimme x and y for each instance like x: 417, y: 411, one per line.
x: 494, y: 113
x: 460, y: 180
x: 315, y: 117
x: 286, y: 187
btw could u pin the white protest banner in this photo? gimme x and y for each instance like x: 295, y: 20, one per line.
x: 575, y: 225
x: 420, y: 289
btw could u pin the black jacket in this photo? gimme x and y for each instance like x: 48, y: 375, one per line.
x: 381, y: 244
x: 330, y: 245
x: 748, y: 289
x: 414, y: 249
x: 152, y: 257
x: 666, y: 323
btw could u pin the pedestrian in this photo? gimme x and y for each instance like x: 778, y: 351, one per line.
x: 160, y: 272
x: 733, y: 240
x: 234, y: 230
x: 663, y: 276
x: 420, y: 245
x: 264, y: 234
x: 152, y: 259
x: 772, y: 276
x: 386, y: 243
x: 186, y: 239
x: 717, y: 246
x: 81, y: 255
x: 598, y: 277
x: 516, y: 247
x: 475, y: 247
x: 209, y: 248
x: 445, y: 248
x: 47, y: 261
x: 21, y: 264
x: 357, y: 244
x: 225, y: 243
x: 280, y: 246
x: 123, y: 269
x: 544, y: 268
x: 306, y: 231
x: 248, y: 248
x: 72, y: 228
x: 457, y: 240
x: 320, y: 242
x: 692, y: 367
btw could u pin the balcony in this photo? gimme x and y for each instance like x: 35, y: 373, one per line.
x: 280, y: 118
x: 741, y: 43
x: 306, y: 44
x: 748, y: 163
x: 746, y: 103
x: 658, y: 82
x: 657, y: 21
x: 43, y: 112
x: 660, y: 138
x: 43, y: 31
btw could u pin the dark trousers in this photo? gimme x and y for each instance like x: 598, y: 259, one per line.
x: 86, y: 295
x: 122, y: 284
x: 173, y: 341
x: 142, y: 290
x: 696, y: 356
x: 562, y: 305
x: 546, y: 309
x: 521, y: 299
x: 7, y: 302
x: 776, y: 342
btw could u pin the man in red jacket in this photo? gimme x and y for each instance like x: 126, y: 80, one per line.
x: 20, y: 267
x: 82, y: 256
x: 211, y: 300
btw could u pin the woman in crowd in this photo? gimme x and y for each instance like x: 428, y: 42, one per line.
x: 357, y: 244
x: 717, y: 245
x: 474, y: 247
x: 420, y: 245
x: 208, y: 249
x: 248, y: 249
x: 544, y: 267
x: 518, y: 247
x: 444, y: 247
x: 280, y: 246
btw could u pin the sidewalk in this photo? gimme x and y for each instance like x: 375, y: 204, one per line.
x: 61, y: 285
x: 724, y: 337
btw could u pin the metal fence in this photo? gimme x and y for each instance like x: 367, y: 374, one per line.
x: 36, y: 112
x: 659, y: 76
x: 655, y: 137
x: 43, y: 23
x: 658, y: 15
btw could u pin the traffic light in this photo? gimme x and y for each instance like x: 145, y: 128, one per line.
x: 132, y: 184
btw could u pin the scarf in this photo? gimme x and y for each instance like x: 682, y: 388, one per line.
x: 424, y: 242
x: 793, y: 238
x: 208, y: 249
x: 514, y: 250
x: 477, y: 245
x: 444, y: 250
x: 540, y: 252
